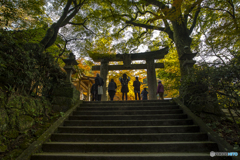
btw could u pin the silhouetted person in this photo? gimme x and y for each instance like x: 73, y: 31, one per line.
x: 124, y: 81
x: 112, y: 89
x: 160, y: 90
x: 93, y: 91
x: 98, y: 88
x: 136, y: 85
x: 144, y: 94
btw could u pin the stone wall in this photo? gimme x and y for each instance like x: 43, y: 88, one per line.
x: 64, y: 97
x: 18, y: 115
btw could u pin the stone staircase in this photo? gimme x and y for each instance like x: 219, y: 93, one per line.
x: 128, y: 130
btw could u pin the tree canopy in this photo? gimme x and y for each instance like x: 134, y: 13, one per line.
x: 129, y: 23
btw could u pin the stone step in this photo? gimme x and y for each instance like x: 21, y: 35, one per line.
x: 128, y: 112
x: 129, y: 117
x: 140, y: 103
x: 150, y: 137
x: 195, y: 146
x: 118, y: 108
x: 126, y: 156
x: 130, y: 101
x: 165, y: 122
x: 129, y: 129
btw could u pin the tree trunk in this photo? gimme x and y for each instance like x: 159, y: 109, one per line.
x: 50, y: 36
x: 182, y: 40
x: 183, y: 43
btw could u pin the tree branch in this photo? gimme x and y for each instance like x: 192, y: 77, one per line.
x: 191, y: 7
x: 227, y: 95
x: 156, y: 17
x: 88, y: 29
x: 168, y: 29
x: 79, y: 24
x: 65, y: 12
x: 123, y: 28
x: 142, y: 34
x: 194, y: 20
x: 66, y: 20
x: 138, y: 40
x: 52, y: 32
x: 145, y: 12
x: 82, y: 25
x: 65, y: 45
x: 233, y: 8
x: 75, y: 2
x: 146, y: 26
x: 217, y: 9
x: 76, y: 6
x: 164, y: 29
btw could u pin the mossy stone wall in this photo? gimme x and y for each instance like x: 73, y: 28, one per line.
x: 17, y: 115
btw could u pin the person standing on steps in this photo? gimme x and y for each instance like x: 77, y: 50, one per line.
x: 144, y: 94
x: 136, y: 85
x: 98, y: 88
x: 112, y: 89
x: 93, y: 91
x: 124, y: 81
x: 160, y: 90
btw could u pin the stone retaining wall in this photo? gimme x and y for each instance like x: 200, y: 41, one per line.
x: 18, y: 115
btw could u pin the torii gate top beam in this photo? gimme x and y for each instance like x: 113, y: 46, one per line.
x: 159, y: 54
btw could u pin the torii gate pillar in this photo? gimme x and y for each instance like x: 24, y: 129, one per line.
x: 151, y: 78
x: 103, y: 74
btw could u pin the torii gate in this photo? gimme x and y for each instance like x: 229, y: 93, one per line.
x: 127, y: 58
